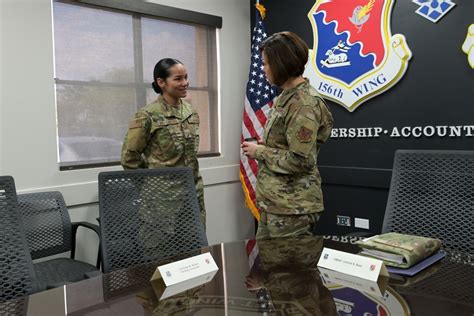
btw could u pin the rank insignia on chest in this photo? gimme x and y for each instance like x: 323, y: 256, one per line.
x: 304, y: 134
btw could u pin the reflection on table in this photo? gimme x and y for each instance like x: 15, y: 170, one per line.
x: 265, y: 277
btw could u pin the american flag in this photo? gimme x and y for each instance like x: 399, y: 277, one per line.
x: 258, y: 102
x: 251, y: 249
x: 264, y: 301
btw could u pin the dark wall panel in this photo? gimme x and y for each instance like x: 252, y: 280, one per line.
x: 354, y: 202
x: 437, y: 90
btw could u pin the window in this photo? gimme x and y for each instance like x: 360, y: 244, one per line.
x: 104, y: 60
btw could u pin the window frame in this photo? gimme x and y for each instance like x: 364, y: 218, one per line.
x: 137, y: 10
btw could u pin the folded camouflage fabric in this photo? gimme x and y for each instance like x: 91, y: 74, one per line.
x: 399, y: 250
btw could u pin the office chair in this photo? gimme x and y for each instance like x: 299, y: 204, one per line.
x: 49, y: 231
x: 432, y: 194
x: 147, y: 215
x: 17, y: 275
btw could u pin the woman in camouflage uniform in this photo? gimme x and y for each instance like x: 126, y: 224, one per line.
x: 289, y: 194
x: 165, y: 133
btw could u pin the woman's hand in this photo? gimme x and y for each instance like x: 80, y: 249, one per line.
x: 249, y: 148
x: 253, y: 282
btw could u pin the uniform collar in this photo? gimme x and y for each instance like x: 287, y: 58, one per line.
x: 299, y: 86
x: 287, y: 94
x: 182, y: 111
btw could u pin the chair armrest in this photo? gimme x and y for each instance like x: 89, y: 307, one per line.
x: 91, y: 226
x: 99, y: 255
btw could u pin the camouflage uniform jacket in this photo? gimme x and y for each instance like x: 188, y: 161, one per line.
x: 162, y: 135
x: 288, y: 180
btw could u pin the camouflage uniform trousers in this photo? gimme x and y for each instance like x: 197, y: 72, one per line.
x: 200, y: 196
x: 278, y: 225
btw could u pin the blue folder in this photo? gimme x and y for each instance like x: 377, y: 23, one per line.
x: 419, y: 266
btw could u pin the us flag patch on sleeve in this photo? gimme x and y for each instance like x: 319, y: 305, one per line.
x: 135, y: 123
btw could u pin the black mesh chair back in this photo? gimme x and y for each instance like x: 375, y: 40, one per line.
x: 47, y: 223
x: 17, y: 306
x: 16, y: 267
x: 49, y: 231
x: 117, y: 283
x: 432, y: 194
x: 147, y: 215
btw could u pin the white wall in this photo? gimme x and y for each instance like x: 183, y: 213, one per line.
x: 28, y: 145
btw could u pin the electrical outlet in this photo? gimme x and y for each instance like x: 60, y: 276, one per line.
x: 343, y: 220
x: 361, y: 223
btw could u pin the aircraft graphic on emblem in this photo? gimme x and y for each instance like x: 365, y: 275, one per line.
x: 468, y: 45
x: 355, y: 57
x: 361, y: 14
x: 434, y: 10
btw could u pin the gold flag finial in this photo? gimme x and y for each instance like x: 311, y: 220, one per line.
x: 261, y: 9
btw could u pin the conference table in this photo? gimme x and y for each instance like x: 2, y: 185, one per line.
x: 264, y: 277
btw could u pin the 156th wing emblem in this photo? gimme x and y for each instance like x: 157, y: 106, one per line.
x: 355, y: 56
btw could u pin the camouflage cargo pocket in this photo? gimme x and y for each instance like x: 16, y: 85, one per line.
x: 165, y: 139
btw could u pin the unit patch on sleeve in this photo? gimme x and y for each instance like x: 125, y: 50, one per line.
x: 304, y: 134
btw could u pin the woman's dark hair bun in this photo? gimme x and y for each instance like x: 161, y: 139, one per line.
x: 156, y: 87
